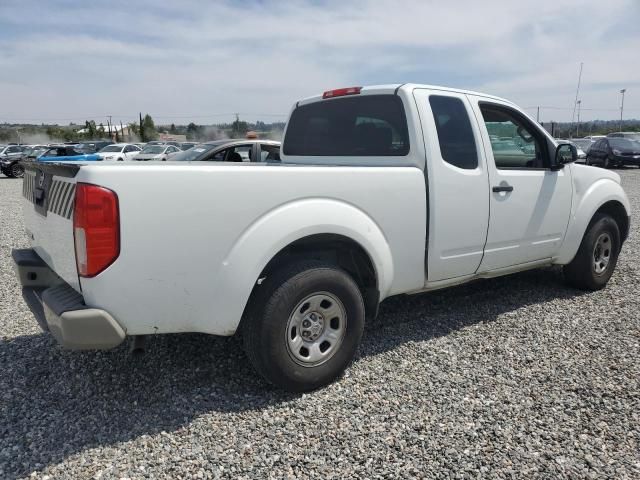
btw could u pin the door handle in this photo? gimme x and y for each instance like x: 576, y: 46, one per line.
x: 502, y: 188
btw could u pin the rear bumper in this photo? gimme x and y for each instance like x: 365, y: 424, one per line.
x: 60, y: 310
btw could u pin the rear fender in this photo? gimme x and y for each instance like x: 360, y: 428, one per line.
x: 280, y: 227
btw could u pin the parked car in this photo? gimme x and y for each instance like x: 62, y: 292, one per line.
x: 92, y: 146
x: 584, y: 143
x: 119, y: 152
x: 614, y: 152
x: 66, y: 153
x: 164, y: 142
x: 10, y: 156
x: 630, y: 135
x: 157, y: 152
x: 187, y: 145
x: 381, y: 191
x: 240, y: 150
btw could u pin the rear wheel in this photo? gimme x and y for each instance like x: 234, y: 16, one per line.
x: 304, y: 325
x: 16, y: 170
x: 597, y: 256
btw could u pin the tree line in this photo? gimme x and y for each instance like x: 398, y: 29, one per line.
x: 144, y: 130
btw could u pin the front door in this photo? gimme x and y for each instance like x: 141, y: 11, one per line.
x: 530, y: 203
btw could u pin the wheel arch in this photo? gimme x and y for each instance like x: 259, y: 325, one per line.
x: 338, y: 250
x: 604, y: 196
x: 322, y: 228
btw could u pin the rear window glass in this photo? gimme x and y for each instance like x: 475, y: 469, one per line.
x: 457, y: 143
x: 368, y: 126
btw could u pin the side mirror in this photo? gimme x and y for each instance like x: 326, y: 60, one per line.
x: 565, y: 153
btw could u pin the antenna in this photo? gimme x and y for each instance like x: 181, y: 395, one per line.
x: 575, y: 102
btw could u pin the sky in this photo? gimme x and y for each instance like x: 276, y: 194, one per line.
x: 65, y: 61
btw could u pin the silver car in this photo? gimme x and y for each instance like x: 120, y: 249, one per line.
x: 157, y: 152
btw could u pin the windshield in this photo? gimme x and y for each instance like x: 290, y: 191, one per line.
x: 194, y: 153
x: 112, y: 148
x: 624, y: 144
x: 86, y: 147
x: 154, y: 149
x: 34, y: 152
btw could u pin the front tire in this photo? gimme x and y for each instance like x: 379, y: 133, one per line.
x: 303, y: 325
x: 16, y: 170
x: 597, y: 256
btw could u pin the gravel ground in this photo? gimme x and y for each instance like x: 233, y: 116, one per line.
x: 513, y: 377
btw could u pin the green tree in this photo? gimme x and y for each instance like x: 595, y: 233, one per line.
x: 239, y: 127
x: 149, y: 128
x: 91, y: 130
x: 193, y: 131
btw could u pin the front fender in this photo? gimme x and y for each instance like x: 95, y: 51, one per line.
x: 283, y: 225
x: 587, y: 201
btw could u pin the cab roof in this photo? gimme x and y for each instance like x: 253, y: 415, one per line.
x: 394, y: 88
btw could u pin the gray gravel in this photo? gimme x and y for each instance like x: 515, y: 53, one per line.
x: 514, y: 377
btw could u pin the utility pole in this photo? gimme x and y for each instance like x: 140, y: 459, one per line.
x: 575, y: 103
x: 538, y: 115
x: 622, y: 106
x: 578, y: 125
x: 109, y: 125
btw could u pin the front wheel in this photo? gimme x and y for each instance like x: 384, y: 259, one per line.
x: 16, y: 170
x: 304, y: 325
x: 597, y: 256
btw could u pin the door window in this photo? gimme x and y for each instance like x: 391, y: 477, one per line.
x: 239, y: 153
x: 269, y: 153
x: 457, y: 144
x: 515, y: 142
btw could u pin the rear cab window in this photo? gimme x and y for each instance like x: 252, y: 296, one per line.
x: 358, y: 126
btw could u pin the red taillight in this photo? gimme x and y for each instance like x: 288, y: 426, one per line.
x: 341, y: 92
x: 96, y: 228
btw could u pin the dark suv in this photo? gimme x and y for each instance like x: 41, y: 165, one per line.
x: 614, y: 152
x: 10, y: 155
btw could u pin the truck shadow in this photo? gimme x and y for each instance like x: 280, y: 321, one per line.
x: 55, y: 403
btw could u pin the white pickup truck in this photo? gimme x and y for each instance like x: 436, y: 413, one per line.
x: 381, y: 191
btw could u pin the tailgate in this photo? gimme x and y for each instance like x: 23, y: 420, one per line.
x: 48, y: 200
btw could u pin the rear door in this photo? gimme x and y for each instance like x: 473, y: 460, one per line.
x: 458, y: 184
x: 48, y: 199
x: 530, y: 203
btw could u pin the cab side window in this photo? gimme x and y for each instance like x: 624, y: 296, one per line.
x: 457, y: 143
x: 515, y: 142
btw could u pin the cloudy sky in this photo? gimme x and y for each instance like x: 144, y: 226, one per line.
x: 202, y: 61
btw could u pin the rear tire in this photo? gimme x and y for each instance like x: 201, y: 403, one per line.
x: 597, y: 256
x: 303, y: 325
